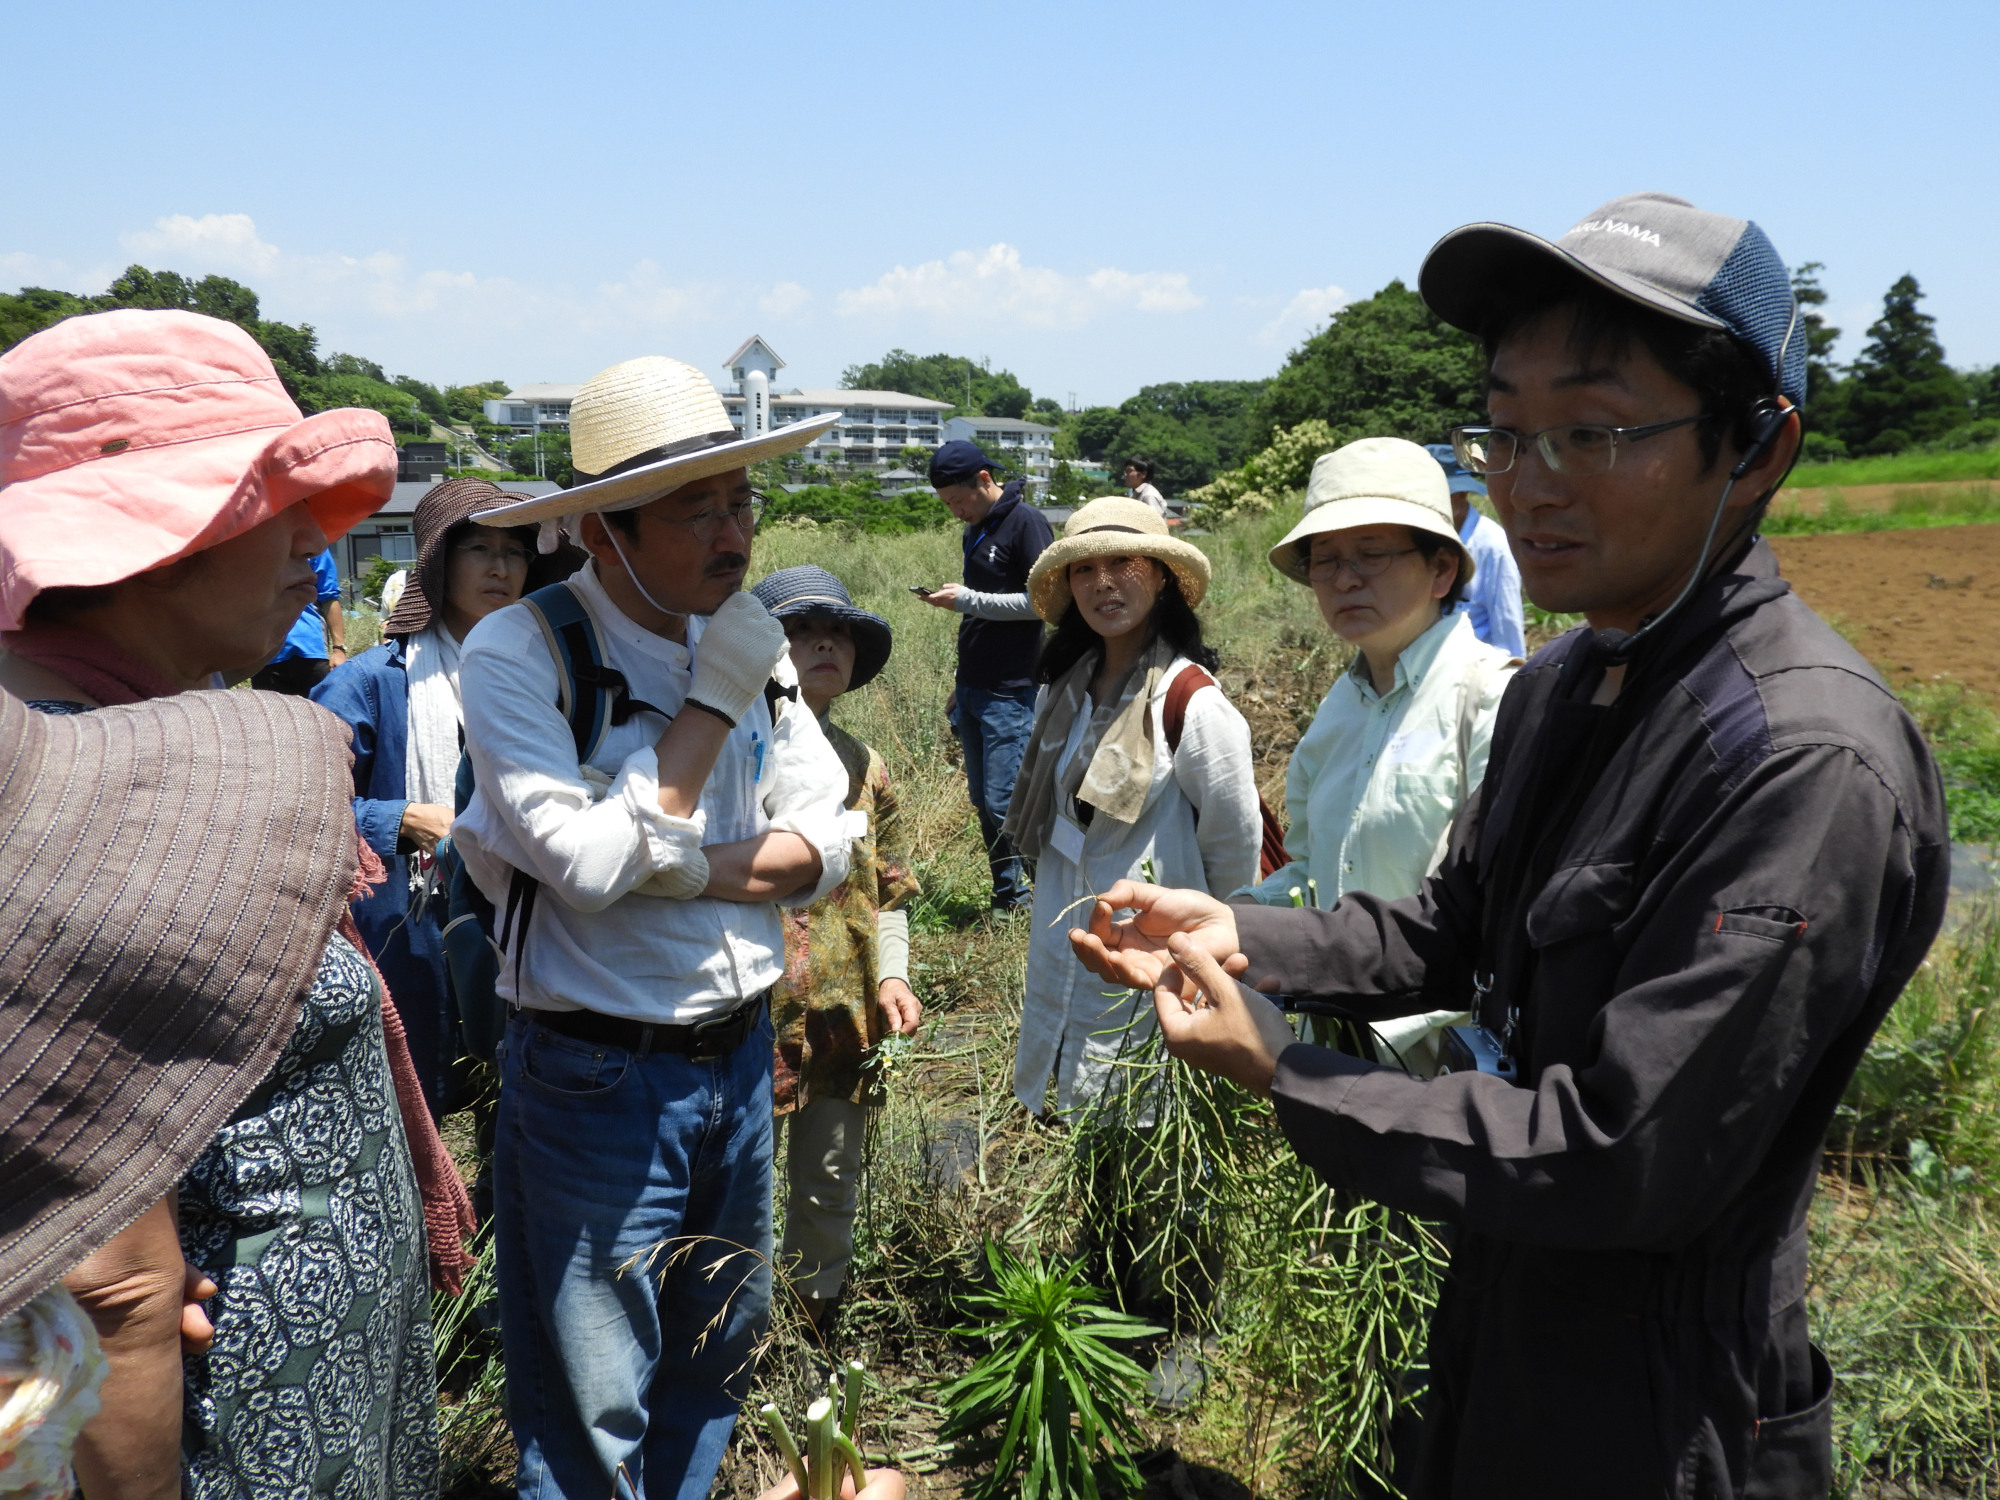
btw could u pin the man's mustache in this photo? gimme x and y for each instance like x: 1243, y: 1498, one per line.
x: 727, y: 562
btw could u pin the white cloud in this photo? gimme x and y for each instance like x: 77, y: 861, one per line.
x: 784, y: 299
x: 993, y: 285
x: 1304, y: 313
x: 221, y: 241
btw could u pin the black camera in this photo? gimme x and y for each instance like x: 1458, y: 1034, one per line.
x: 1474, y: 1049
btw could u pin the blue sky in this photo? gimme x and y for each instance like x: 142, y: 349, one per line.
x: 1095, y: 196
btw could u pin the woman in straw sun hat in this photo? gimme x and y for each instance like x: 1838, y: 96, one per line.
x: 1104, y: 793
x: 402, y: 700
x: 136, y: 1017
x: 1400, y: 739
x: 161, y: 499
x: 635, y: 1095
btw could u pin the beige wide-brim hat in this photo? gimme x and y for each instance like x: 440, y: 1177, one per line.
x: 643, y: 428
x: 1373, y: 482
x: 1114, y: 526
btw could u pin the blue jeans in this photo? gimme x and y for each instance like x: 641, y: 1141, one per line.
x: 992, y: 730
x: 617, y: 1386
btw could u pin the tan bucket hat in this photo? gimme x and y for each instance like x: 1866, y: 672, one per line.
x: 147, y: 986
x: 1380, y: 481
x: 442, y: 508
x: 1114, y: 526
x: 642, y: 428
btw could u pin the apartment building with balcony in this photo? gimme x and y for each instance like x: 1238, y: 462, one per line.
x: 1037, y: 444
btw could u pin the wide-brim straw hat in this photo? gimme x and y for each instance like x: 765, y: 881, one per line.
x: 643, y: 428
x: 814, y: 593
x: 1380, y: 481
x: 169, y: 875
x: 442, y: 508
x: 131, y: 439
x: 1113, y: 526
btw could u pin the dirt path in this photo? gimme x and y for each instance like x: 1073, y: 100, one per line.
x: 1916, y: 603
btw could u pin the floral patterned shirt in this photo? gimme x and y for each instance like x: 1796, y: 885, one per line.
x: 825, y: 1007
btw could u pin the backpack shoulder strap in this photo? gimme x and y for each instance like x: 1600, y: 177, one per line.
x: 572, y: 641
x: 1173, y: 713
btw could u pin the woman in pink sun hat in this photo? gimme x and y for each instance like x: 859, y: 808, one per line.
x: 161, y: 500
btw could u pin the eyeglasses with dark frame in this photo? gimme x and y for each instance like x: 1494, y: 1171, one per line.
x: 1577, y: 448
x: 1362, y: 564
x: 707, y: 526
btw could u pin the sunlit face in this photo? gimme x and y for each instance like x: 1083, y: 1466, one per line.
x: 1399, y: 603
x: 485, y: 569
x: 234, y: 602
x: 1116, y: 595
x: 1614, y: 546
x: 1133, y: 478
x: 823, y: 655
x: 685, y: 572
x: 970, y: 500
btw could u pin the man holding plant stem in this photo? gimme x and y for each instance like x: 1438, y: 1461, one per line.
x: 1709, y: 852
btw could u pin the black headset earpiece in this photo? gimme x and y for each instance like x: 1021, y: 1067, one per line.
x: 1767, y: 421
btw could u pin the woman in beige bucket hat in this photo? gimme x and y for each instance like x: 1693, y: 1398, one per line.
x: 1400, y: 739
x: 1107, y: 787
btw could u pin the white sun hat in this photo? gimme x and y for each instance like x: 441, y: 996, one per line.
x: 1379, y: 481
x: 642, y: 428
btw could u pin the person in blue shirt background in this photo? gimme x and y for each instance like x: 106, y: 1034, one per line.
x: 1493, y: 599
x: 310, y: 648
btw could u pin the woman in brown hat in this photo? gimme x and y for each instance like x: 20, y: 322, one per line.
x: 401, y: 699
x: 161, y: 500
x: 1125, y: 776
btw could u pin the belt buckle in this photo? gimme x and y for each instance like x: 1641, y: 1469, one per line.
x: 708, y: 1040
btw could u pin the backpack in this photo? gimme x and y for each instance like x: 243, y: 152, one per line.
x: 1271, y: 853
x: 478, y: 937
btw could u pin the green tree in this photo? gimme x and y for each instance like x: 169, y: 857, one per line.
x: 1066, y: 486
x: 467, y: 403
x: 1900, y: 391
x: 428, y: 397
x: 969, y: 385
x: 1383, y: 367
x: 354, y: 364
x: 34, y: 308
x: 554, y: 449
x: 1820, y: 337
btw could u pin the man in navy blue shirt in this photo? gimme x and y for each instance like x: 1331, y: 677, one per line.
x: 310, y: 648
x: 992, y: 707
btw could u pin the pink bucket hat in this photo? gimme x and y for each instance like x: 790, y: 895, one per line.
x: 131, y: 439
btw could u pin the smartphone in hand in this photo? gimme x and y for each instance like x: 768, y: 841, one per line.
x: 920, y: 591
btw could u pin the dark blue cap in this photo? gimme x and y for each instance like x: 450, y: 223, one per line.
x: 959, y: 460
x: 1462, y: 480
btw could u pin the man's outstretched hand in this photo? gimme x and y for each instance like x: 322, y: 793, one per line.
x: 1133, y: 953
x: 1210, y: 1020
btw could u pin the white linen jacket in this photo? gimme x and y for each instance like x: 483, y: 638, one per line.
x: 593, y: 942
x: 1201, y: 828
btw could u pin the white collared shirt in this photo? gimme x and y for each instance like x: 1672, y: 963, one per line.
x: 594, y: 943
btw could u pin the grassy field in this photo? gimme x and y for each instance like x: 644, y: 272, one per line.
x: 1899, y: 468
x: 1955, y: 505
x: 1309, y: 1308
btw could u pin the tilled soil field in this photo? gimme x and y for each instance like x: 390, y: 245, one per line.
x: 1918, y: 603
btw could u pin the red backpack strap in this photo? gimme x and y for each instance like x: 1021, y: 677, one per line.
x: 1173, y: 713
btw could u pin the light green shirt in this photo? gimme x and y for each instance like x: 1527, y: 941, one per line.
x: 1375, y: 783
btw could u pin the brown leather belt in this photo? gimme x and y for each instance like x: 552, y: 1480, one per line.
x: 698, y: 1041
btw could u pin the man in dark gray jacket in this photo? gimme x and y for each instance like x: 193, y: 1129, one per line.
x: 1709, y: 851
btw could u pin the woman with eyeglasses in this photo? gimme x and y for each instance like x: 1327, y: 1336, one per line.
x: 1400, y: 739
x: 401, y: 699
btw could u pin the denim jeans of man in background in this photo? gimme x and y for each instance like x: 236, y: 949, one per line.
x: 992, y: 730
x: 618, y: 1388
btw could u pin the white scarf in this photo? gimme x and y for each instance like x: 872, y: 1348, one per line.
x: 431, y: 747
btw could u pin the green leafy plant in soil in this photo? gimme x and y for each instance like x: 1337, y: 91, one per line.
x: 1061, y: 1396
x: 1964, y: 732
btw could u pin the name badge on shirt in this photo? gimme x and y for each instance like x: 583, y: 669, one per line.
x: 1066, y: 838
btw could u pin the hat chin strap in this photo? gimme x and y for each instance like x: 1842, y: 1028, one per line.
x: 612, y: 532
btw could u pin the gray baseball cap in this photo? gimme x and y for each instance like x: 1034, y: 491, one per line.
x: 1659, y: 251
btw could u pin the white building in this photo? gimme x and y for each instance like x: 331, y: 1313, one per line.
x: 876, y: 425
x: 1036, y: 442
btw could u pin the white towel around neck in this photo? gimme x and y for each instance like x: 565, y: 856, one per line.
x: 431, y: 749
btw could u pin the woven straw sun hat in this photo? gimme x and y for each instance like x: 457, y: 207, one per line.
x: 1380, y: 481
x: 146, y: 989
x: 131, y: 439
x: 1114, y: 526
x: 809, y: 591
x: 443, y: 508
x: 643, y: 428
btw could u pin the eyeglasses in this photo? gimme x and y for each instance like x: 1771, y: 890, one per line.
x: 707, y: 526
x: 486, y: 555
x: 1362, y: 564
x: 1584, y: 448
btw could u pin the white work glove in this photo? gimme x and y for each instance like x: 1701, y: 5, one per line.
x: 735, y: 655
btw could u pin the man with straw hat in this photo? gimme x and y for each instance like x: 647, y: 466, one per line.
x: 1709, y: 852
x: 636, y: 879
